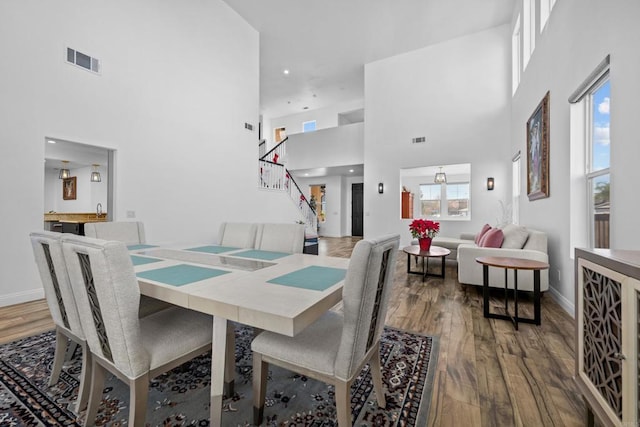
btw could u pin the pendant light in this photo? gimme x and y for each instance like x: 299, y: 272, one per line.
x: 95, y: 175
x: 64, y: 171
x: 441, y: 177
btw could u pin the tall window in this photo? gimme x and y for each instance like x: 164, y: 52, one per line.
x: 545, y: 11
x: 599, y: 162
x: 455, y: 195
x: 515, y: 56
x: 529, y: 33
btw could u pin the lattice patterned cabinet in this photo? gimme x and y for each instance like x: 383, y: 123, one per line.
x: 607, y: 340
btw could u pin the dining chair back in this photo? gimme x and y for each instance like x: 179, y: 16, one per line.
x: 237, y: 234
x: 47, y: 251
x: 335, y: 348
x: 287, y: 238
x: 130, y: 232
x: 134, y: 349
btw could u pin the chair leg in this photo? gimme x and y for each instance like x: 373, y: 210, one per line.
x: 85, y: 377
x: 138, y: 396
x: 260, y: 372
x: 376, y: 376
x: 95, y: 395
x: 73, y: 346
x: 58, y: 358
x: 343, y: 403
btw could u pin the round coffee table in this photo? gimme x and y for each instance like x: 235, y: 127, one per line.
x: 514, y: 264
x: 433, y: 252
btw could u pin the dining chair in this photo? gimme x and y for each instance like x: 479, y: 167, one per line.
x: 287, y: 238
x: 237, y: 234
x: 130, y: 232
x: 335, y: 348
x: 134, y: 349
x: 47, y: 251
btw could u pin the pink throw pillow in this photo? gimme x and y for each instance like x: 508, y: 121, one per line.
x: 482, y: 232
x: 492, y: 239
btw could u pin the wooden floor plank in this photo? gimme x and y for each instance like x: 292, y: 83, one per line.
x: 488, y: 374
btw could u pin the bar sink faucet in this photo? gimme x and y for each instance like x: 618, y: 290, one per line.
x: 99, y: 210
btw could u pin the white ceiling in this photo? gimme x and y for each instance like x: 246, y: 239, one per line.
x: 325, y: 44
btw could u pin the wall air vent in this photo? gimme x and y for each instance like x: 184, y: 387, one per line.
x: 82, y: 60
x: 419, y: 140
x: 248, y: 126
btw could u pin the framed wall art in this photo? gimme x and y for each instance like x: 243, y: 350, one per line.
x: 69, y: 188
x: 538, y: 151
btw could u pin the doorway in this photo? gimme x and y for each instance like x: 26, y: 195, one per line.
x: 357, y: 210
x: 90, y: 167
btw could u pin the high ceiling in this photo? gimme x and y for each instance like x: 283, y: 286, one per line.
x: 325, y: 44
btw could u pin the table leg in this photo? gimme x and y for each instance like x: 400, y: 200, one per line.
x: 515, y: 295
x: 485, y: 289
x: 536, y: 296
x: 506, y: 292
x: 408, y: 263
x: 218, y: 356
x: 443, y: 266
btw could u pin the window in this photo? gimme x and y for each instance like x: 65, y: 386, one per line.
x: 515, y: 56
x: 529, y: 33
x: 455, y: 194
x: 309, y: 126
x: 545, y: 10
x: 598, y: 162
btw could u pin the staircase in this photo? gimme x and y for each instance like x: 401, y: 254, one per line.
x: 274, y: 176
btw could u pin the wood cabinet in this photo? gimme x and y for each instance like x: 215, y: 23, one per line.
x: 407, y: 204
x: 607, y: 340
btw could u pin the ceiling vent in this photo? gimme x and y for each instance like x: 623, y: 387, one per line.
x: 82, y: 60
x: 419, y: 140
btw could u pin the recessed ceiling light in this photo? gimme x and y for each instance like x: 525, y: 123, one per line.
x: 350, y: 170
x: 51, y: 141
x: 306, y: 174
x: 285, y: 71
x: 305, y: 108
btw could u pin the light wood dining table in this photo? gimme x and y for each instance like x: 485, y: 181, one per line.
x: 273, y: 291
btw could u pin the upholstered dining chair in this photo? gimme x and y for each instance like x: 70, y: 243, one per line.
x: 47, y: 250
x: 287, y: 238
x: 336, y: 347
x: 130, y: 232
x: 237, y: 234
x: 133, y: 349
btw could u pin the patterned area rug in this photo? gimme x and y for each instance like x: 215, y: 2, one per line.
x: 181, y: 397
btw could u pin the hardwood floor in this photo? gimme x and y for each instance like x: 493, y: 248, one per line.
x: 488, y: 374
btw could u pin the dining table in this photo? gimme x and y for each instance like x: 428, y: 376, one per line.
x: 274, y: 291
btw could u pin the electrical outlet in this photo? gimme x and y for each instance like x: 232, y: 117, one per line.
x: 559, y: 276
x: 131, y: 214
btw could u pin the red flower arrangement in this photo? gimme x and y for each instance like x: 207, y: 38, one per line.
x: 421, y: 228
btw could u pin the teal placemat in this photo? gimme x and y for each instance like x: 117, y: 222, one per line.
x: 139, y: 260
x: 258, y: 254
x: 136, y: 247
x: 314, y: 278
x: 213, y: 249
x: 181, y: 274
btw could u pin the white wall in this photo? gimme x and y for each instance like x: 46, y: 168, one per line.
x: 325, y: 118
x: 88, y: 194
x: 579, y: 34
x: 455, y: 93
x: 338, y: 146
x: 178, y: 81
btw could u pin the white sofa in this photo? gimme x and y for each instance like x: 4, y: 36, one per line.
x: 535, y: 248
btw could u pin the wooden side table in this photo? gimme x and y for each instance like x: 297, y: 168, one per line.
x: 514, y: 264
x: 433, y: 252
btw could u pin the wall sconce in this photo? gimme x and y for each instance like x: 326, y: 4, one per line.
x: 95, y: 175
x: 64, y: 171
x: 381, y: 188
x: 490, y: 183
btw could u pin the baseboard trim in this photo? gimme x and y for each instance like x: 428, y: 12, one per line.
x: 20, y: 297
x: 563, y: 302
